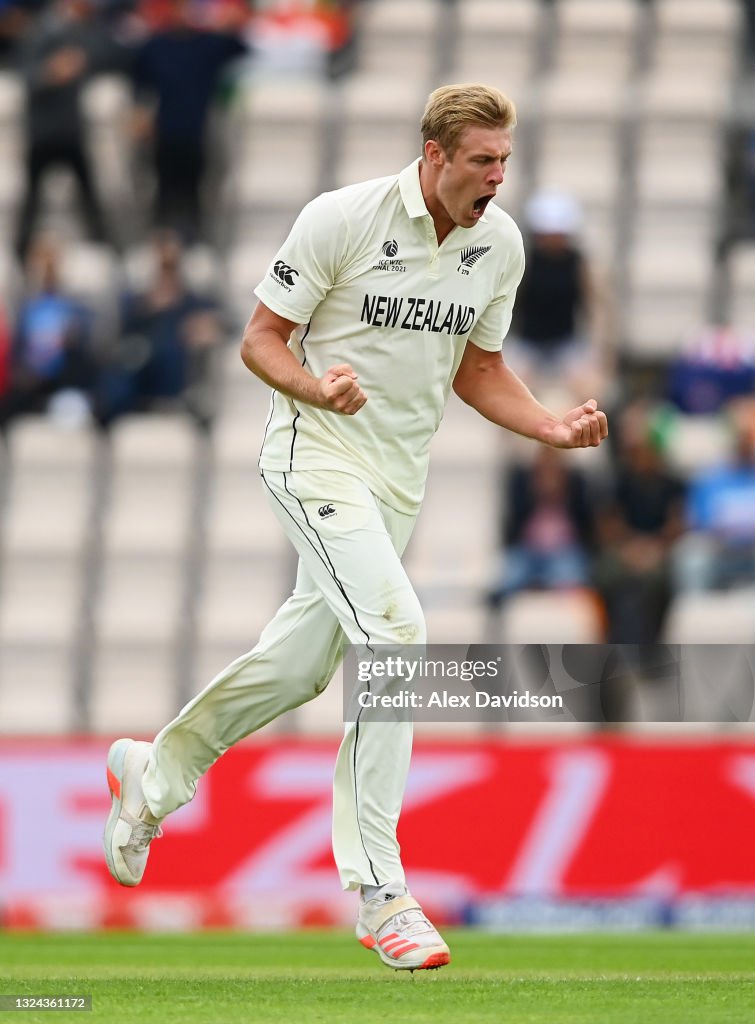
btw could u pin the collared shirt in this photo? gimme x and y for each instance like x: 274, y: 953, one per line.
x: 364, y: 276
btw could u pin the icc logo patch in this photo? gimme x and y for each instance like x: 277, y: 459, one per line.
x: 390, y: 248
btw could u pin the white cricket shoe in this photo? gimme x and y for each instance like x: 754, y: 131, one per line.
x: 397, y: 930
x: 130, y: 826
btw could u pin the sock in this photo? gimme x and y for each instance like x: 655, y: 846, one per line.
x: 369, y: 892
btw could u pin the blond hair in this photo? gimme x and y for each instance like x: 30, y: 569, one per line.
x: 453, y: 108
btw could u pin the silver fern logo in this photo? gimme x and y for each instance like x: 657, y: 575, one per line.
x: 469, y: 256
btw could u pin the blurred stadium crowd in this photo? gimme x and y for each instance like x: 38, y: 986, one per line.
x: 154, y: 153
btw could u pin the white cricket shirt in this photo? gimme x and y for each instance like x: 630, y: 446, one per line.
x: 362, y: 273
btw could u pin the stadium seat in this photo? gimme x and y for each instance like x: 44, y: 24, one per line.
x: 712, y: 618
x: 519, y: 20
x: 11, y: 188
x: 461, y: 621
x: 669, y: 290
x: 371, y: 98
x: 608, y: 19
x: 255, y: 178
x: 588, y: 160
x: 36, y: 689
x: 275, y: 101
x: 670, y: 97
x: 568, y: 617
x: 244, y: 401
x: 134, y: 690
x: 696, y: 40
x: 240, y: 594
x: 394, y: 54
x: 694, y: 443
x: 498, y: 44
x: 504, y: 64
x: 144, y: 597
x: 444, y: 551
x: 321, y: 716
x: 277, y: 121
x: 709, y: 58
x: 161, y: 441
x: 12, y: 100
x: 246, y: 265
x: 49, y: 488
x: 201, y: 267
x: 89, y: 273
x: 12, y: 174
x: 41, y: 598
x: 741, y: 270
x: 149, y: 510
x: 11, y: 283
x: 106, y: 99
x: 239, y: 518
x: 383, y: 150
x: 394, y: 18
x: 107, y: 104
x: 718, y: 19
x: 571, y: 100
x: 675, y: 225
x: 130, y: 610
x: 666, y: 176
x: 611, y: 58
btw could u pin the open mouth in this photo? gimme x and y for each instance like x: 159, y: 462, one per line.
x: 481, y: 204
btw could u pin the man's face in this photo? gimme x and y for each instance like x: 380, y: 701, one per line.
x: 468, y: 181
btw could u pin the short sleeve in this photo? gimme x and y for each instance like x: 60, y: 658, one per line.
x: 305, y: 267
x: 493, y: 326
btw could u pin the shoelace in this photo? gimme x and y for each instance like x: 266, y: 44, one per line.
x: 142, y: 835
x: 410, y: 922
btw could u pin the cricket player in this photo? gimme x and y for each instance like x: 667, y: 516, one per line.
x: 385, y: 295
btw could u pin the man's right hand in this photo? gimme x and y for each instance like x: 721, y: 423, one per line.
x: 340, y: 392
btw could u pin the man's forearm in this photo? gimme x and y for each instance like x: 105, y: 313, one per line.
x: 500, y: 396
x: 267, y: 355
x: 265, y: 352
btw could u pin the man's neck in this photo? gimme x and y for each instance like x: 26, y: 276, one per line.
x: 443, y: 223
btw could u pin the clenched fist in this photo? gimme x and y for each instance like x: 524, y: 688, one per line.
x: 339, y: 391
x: 583, y: 427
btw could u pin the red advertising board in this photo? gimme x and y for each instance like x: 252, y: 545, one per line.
x: 614, y: 816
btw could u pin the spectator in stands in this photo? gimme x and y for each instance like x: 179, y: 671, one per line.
x: 719, y: 552
x: 51, y: 350
x: 716, y: 366
x: 14, y: 19
x: 547, y: 528
x: 749, y: 9
x: 640, y: 520
x: 560, y: 320
x: 177, y: 72
x: 168, y: 338
x: 60, y: 51
x: 5, y: 353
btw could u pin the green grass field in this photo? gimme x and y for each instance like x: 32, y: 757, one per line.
x: 328, y: 977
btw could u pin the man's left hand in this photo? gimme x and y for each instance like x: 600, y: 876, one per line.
x: 583, y: 427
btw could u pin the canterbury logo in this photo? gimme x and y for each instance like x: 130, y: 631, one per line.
x: 285, y: 273
x: 390, y: 248
x: 326, y: 510
x: 473, y: 253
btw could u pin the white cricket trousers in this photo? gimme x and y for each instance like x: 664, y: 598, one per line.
x: 350, y: 588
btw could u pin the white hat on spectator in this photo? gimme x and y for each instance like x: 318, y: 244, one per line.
x: 553, y: 213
